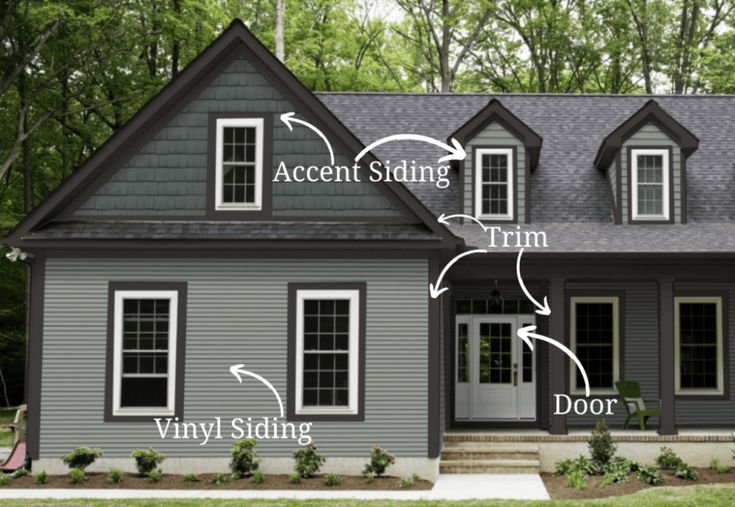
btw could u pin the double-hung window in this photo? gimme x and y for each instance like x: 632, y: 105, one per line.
x: 650, y: 184
x: 698, y: 337
x: 494, y: 183
x: 239, y: 164
x: 595, y: 339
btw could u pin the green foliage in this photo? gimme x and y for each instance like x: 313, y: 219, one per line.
x: 155, y: 475
x: 668, y: 459
x: 146, y: 460
x: 407, y: 482
x: 380, y: 460
x: 331, y: 479
x: 295, y: 478
x: 577, y: 479
x: 219, y: 479
x: 244, y: 459
x: 5, y: 479
x: 617, y: 470
x: 686, y: 472
x: 308, y: 461
x: 369, y: 476
x: 258, y: 477
x: 115, y: 476
x: 720, y: 467
x: 77, y: 475
x: 41, y: 477
x: 191, y: 478
x: 601, y: 444
x: 581, y: 464
x: 650, y: 475
x: 21, y: 472
x: 81, y: 457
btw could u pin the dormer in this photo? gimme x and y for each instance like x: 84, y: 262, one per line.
x: 645, y: 163
x: 495, y: 176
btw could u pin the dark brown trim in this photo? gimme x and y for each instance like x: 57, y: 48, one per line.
x: 265, y: 211
x: 514, y: 182
x: 434, y: 365
x: 495, y: 111
x: 651, y: 112
x: 629, y: 170
x: 724, y: 296
x: 242, y: 254
x: 278, y: 217
x: 293, y: 289
x: 683, y: 205
x: 543, y: 400
x: 34, y: 354
x: 619, y: 182
x: 559, y: 378
x: 667, y: 362
x: 527, y: 188
x: 181, y: 288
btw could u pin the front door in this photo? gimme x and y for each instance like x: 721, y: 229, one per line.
x: 495, y: 371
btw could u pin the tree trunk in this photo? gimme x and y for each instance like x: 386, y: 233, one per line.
x: 446, y: 72
x: 280, y: 13
x: 175, y: 49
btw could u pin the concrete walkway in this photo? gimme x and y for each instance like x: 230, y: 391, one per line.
x: 447, y: 487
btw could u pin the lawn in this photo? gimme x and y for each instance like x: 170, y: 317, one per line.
x: 6, y: 436
x: 711, y: 496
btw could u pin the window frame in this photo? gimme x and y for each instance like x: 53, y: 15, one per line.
x: 356, y: 293
x: 221, y: 124
x: 665, y: 154
x: 479, y: 153
x: 617, y: 342
x: 117, y: 292
x: 720, y: 390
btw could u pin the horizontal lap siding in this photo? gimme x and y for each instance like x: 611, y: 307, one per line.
x: 237, y: 313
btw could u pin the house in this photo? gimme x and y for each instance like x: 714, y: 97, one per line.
x: 171, y: 255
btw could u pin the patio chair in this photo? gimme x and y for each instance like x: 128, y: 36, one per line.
x: 635, y: 405
x: 18, y: 426
x: 16, y: 459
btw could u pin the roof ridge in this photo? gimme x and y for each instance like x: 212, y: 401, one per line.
x: 530, y: 94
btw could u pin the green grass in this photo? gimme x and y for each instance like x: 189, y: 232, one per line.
x: 710, y: 496
x: 6, y: 436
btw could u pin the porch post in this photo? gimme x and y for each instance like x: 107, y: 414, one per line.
x: 558, y: 423
x: 667, y: 379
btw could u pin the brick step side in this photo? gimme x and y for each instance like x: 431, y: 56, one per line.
x: 490, y: 466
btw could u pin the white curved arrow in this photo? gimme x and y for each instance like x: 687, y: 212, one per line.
x: 443, y: 219
x: 542, y: 309
x: 288, y: 118
x: 525, y: 332
x: 434, y: 290
x: 456, y: 152
x: 237, y: 370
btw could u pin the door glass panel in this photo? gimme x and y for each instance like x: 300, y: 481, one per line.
x: 527, y: 376
x: 463, y: 351
x: 495, y: 353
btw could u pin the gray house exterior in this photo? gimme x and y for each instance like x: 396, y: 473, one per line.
x: 163, y: 261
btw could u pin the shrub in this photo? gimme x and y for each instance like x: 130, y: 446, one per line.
x: 155, y: 475
x: 582, y: 464
x: 41, y: 477
x: 295, y: 478
x: 21, y: 472
x: 5, y: 479
x: 620, y: 463
x: 219, y: 479
x: 77, y: 475
x: 191, y: 478
x: 331, y: 480
x: 258, y: 477
x: 577, y: 479
x: 308, y: 461
x: 721, y: 468
x: 81, y: 457
x: 684, y: 471
x: 146, y: 460
x: 115, y: 476
x: 668, y: 459
x: 244, y: 460
x: 380, y: 460
x: 407, y: 482
x: 650, y: 475
x: 601, y: 444
x: 369, y: 477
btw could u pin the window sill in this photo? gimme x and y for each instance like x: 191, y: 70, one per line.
x: 325, y: 415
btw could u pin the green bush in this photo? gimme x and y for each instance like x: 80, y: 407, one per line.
x: 380, y: 460
x: 369, y: 477
x: 77, y: 475
x: 684, y: 471
x: 219, y: 479
x: 191, y: 478
x: 577, y: 479
x: 81, y: 457
x: 115, y: 476
x: 244, y: 460
x: 308, y: 461
x: 668, y: 459
x: 719, y: 467
x: 407, y: 482
x: 650, y: 475
x: 41, y: 477
x: 601, y: 444
x: 295, y: 478
x: 582, y: 464
x: 5, y: 479
x: 21, y: 472
x: 146, y: 460
x: 258, y: 477
x: 331, y: 480
x: 155, y: 475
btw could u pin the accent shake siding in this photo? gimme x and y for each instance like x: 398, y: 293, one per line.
x: 237, y: 313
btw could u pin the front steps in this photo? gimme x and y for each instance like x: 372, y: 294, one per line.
x: 467, y: 457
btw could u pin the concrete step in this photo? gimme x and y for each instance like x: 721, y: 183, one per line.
x: 489, y: 466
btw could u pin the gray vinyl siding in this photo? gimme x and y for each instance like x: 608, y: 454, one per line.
x: 237, y: 313
x: 169, y: 174
x: 496, y: 135
x: 650, y: 136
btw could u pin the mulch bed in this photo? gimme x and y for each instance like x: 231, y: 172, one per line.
x: 558, y: 488
x: 131, y: 481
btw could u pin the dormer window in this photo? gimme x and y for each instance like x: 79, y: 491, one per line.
x: 650, y: 184
x: 239, y: 164
x: 494, y: 183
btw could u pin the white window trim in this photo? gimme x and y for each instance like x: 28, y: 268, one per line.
x: 720, y: 350
x: 479, y: 153
x: 120, y: 296
x: 664, y: 154
x: 258, y: 123
x: 353, y: 355
x: 573, y: 340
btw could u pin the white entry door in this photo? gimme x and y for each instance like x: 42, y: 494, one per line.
x: 495, y: 371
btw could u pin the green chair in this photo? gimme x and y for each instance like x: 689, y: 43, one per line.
x: 635, y: 405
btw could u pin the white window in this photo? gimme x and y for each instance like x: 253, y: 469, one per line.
x: 239, y: 164
x: 494, y: 183
x: 650, y: 184
x: 698, y: 348
x: 144, y: 364
x: 595, y: 339
x: 327, y: 351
